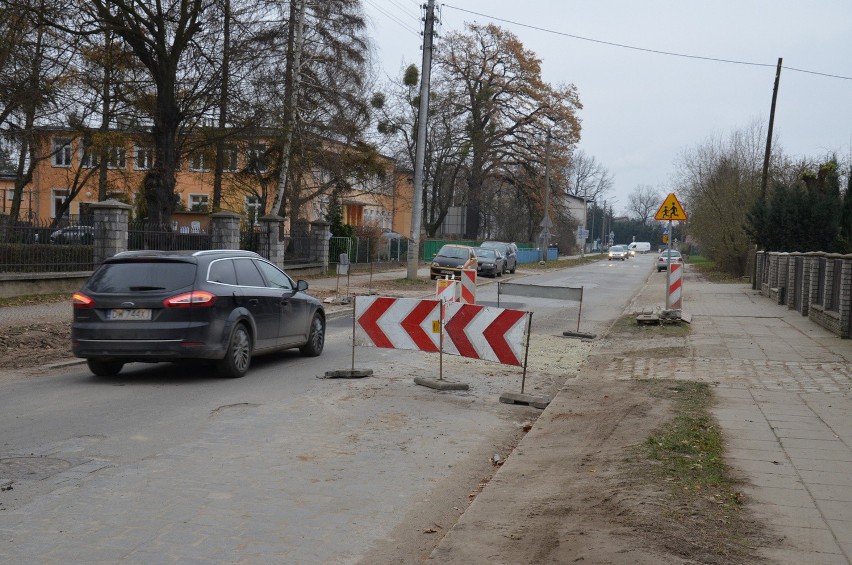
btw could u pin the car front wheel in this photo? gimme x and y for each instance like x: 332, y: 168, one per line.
x: 104, y: 368
x: 237, y: 358
x: 316, y: 338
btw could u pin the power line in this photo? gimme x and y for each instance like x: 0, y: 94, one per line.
x: 643, y: 49
x: 392, y: 17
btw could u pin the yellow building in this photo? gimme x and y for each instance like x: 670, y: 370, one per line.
x: 66, y: 170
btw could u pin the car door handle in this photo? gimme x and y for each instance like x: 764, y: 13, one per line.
x: 252, y: 301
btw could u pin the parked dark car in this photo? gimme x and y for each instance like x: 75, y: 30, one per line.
x: 490, y: 262
x: 509, y: 251
x: 219, y: 305
x: 451, y: 259
x: 84, y: 235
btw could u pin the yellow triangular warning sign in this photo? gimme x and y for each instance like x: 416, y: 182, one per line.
x: 671, y: 210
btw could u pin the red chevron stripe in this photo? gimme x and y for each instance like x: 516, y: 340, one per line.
x: 495, y: 335
x: 456, y: 326
x: 369, y: 321
x: 411, y: 325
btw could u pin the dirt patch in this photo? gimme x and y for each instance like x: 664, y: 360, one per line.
x: 33, y: 345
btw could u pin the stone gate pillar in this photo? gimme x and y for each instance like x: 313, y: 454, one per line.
x: 111, y: 219
x: 224, y: 230
x: 271, y: 238
x: 320, y: 236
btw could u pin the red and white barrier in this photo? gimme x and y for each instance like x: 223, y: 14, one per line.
x: 675, y: 285
x: 398, y: 323
x: 448, y: 290
x: 492, y: 334
x: 468, y: 286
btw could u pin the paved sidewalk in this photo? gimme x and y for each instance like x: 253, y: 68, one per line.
x: 784, y: 402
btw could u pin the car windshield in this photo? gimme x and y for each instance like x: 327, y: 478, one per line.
x: 454, y: 252
x: 486, y: 253
x: 142, y: 275
x: 673, y: 253
x: 493, y: 245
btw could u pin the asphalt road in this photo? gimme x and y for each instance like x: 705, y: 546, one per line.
x: 171, y: 464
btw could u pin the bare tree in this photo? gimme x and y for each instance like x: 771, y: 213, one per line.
x: 720, y: 179
x: 168, y: 40
x: 586, y: 178
x: 643, y: 202
x: 505, y: 103
x: 34, y: 61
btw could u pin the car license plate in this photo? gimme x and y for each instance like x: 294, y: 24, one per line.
x: 129, y: 314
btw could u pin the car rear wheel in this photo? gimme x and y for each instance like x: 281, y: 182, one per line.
x: 103, y: 368
x: 237, y: 358
x: 316, y: 338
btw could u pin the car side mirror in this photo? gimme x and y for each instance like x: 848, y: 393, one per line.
x: 301, y: 285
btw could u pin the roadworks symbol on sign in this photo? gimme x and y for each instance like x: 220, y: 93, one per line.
x: 671, y: 210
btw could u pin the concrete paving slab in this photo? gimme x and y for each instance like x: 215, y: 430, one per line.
x: 842, y: 530
x: 810, y: 540
x: 770, y: 497
x: 796, y: 557
x: 835, y: 510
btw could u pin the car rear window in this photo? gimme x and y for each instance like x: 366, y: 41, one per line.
x: 139, y: 276
x: 454, y: 252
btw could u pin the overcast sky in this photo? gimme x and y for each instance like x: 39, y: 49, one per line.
x: 641, y: 109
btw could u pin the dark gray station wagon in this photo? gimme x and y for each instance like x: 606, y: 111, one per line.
x: 219, y: 305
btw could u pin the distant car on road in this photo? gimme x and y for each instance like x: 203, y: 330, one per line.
x: 509, y: 252
x: 639, y: 247
x: 84, y: 235
x: 618, y: 252
x: 219, y: 305
x: 663, y: 262
x: 490, y: 262
x: 451, y: 260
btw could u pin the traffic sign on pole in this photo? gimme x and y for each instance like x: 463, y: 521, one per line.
x: 671, y: 210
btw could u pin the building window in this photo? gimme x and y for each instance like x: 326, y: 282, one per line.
x: 256, y: 158
x: 59, y: 197
x: 253, y: 210
x: 117, y: 158
x: 198, y: 162
x: 144, y: 157
x: 199, y: 203
x: 229, y: 158
x: 61, y: 152
x: 89, y: 157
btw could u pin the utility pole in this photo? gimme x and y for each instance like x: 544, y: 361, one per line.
x: 546, y: 222
x: 420, y: 150
x: 585, y: 220
x: 765, y: 178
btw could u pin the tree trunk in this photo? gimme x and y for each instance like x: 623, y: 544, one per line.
x: 295, y: 43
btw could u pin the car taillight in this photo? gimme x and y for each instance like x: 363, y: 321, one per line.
x: 194, y: 299
x: 81, y: 301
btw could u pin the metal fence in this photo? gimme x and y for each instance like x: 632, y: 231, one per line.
x: 142, y: 234
x: 363, y: 250
x: 34, y: 247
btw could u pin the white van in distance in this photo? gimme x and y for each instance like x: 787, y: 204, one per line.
x: 639, y: 247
